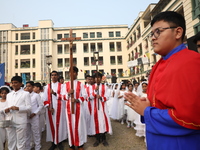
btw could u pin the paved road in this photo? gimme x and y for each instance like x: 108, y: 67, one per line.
x: 123, y: 138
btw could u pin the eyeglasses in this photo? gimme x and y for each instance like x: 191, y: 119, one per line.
x: 157, y: 31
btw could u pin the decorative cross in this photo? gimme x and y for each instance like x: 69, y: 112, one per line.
x: 71, y: 39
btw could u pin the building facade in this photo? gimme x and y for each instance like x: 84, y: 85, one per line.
x: 24, y: 49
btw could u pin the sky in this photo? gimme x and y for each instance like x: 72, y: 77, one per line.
x: 68, y: 13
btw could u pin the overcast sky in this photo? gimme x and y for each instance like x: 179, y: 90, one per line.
x: 66, y: 13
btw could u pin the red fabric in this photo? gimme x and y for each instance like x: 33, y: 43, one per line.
x: 174, y: 85
x: 50, y: 115
x: 96, y: 114
x: 58, y: 113
x: 70, y: 122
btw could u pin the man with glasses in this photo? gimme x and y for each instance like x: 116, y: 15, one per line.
x: 197, y: 41
x: 172, y: 109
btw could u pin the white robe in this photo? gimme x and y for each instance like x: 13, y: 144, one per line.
x: 76, y: 126
x: 100, y: 121
x: 121, y: 110
x: 56, y: 124
x: 2, y: 130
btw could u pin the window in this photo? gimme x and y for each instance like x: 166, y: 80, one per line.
x: 16, y: 63
x: 25, y: 36
x: 27, y: 75
x: 113, y: 72
x: 92, y: 47
x: 16, y: 36
x: 60, y: 62
x: 140, y: 49
x: 60, y: 73
x: 100, y: 62
x: 120, y: 72
x: 86, y: 61
x: 85, y: 47
x: 92, y: 35
x: 33, y: 63
x: 66, y: 48
x: 85, y: 35
x: 16, y: 50
x: 59, y: 49
x: 66, y: 35
x: 111, y: 34
x: 66, y: 62
x: 112, y: 60
x: 25, y: 63
x: 74, y: 48
x: 25, y: 50
x: 67, y: 76
x: 99, y: 34
x: 74, y: 61
x: 112, y: 46
x: 119, y: 60
x: 195, y: 9
x: 118, y: 34
x: 59, y: 36
x: 86, y: 72
x: 93, y: 62
x: 73, y: 34
x: 33, y: 35
x: 33, y: 75
x: 119, y: 47
x: 99, y: 45
x: 33, y: 49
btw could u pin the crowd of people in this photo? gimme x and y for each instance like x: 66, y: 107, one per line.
x: 165, y: 109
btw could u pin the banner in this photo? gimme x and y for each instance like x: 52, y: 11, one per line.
x: 2, y: 74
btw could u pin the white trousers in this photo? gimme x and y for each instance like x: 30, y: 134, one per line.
x: 42, y: 121
x: 33, y: 130
x: 2, y: 138
x: 17, y: 137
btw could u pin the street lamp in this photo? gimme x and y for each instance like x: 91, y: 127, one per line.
x: 49, y: 62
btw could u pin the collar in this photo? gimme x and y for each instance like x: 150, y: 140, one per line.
x: 175, y: 50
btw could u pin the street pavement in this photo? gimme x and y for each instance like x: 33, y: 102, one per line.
x: 123, y: 138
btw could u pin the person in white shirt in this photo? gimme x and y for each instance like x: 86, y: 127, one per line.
x: 4, y: 90
x: 18, y: 108
x: 33, y: 119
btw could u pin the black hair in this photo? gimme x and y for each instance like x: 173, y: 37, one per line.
x: 196, y: 38
x: 145, y: 83
x: 60, y: 77
x: 4, y: 89
x: 173, y: 18
x: 37, y: 84
x: 17, y: 78
x: 98, y: 74
x: 122, y: 85
x: 75, y: 69
x: 30, y: 82
x: 129, y: 85
x: 136, y: 83
x: 54, y: 72
x: 87, y: 76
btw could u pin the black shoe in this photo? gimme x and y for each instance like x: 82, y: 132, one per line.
x: 53, y: 146
x: 96, y: 144
x: 105, y: 143
x: 60, y: 146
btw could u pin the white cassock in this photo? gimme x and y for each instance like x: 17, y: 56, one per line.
x: 42, y: 114
x: 2, y: 130
x: 17, y: 133
x: 56, y: 125
x: 77, y: 134
x: 87, y: 107
x: 100, y: 121
x: 33, y: 126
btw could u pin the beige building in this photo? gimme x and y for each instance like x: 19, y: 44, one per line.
x: 124, y: 52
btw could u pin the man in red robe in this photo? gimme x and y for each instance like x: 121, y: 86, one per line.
x: 171, y: 112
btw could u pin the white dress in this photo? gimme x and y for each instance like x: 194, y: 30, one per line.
x: 114, y: 107
x: 121, y: 110
x: 140, y: 127
x: 2, y: 130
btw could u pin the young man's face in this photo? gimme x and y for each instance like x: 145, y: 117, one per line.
x: 98, y: 80
x: 36, y: 89
x: 167, y: 39
x: 16, y: 85
x: 29, y: 87
x: 198, y: 46
x: 54, y: 77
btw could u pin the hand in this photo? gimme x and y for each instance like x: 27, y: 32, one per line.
x: 52, y: 92
x: 77, y: 101
x: 14, y: 108
x: 51, y: 110
x: 7, y: 110
x: 97, y: 88
x: 70, y: 92
x: 32, y: 115
x: 99, y: 97
x: 136, y: 103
